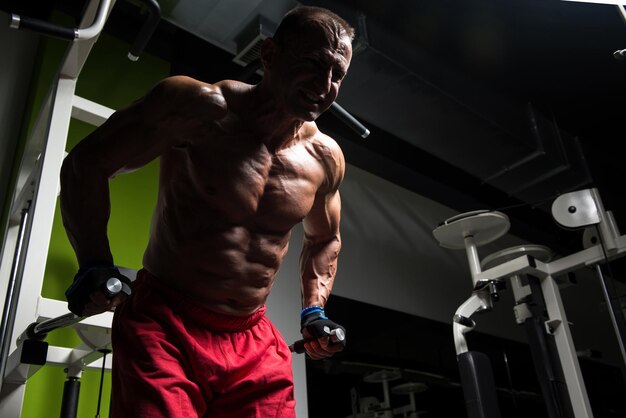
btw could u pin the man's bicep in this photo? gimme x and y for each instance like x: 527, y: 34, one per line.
x: 323, y: 220
x: 141, y: 132
x: 120, y: 144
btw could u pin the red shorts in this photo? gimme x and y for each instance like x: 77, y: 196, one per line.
x: 173, y: 358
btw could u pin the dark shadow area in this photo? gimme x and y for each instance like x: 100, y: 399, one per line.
x: 418, y: 353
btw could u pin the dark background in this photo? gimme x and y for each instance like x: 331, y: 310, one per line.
x: 513, y: 77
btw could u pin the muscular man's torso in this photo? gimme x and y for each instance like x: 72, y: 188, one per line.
x: 226, y: 207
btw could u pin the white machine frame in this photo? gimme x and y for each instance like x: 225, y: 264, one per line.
x: 32, y: 208
x: 578, y: 209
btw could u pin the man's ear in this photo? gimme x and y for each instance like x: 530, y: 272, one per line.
x: 268, y: 51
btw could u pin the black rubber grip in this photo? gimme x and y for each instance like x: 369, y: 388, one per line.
x: 349, y: 120
x: 298, y: 346
x: 46, y: 28
x: 148, y: 28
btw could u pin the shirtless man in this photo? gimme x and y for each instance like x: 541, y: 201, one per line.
x: 240, y: 166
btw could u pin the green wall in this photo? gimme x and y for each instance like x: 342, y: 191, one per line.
x: 111, y: 79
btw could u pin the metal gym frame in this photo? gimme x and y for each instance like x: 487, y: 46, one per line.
x: 28, y: 227
x: 532, y: 274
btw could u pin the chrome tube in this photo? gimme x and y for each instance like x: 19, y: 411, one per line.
x: 12, y: 296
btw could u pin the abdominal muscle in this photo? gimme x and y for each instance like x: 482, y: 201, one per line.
x: 229, y: 271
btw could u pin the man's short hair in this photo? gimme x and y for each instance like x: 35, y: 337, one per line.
x: 296, y: 19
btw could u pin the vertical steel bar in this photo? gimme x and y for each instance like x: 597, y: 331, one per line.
x: 11, y: 299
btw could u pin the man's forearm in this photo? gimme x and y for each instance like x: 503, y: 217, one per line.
x: 318, y: 267
x: 85, y: 209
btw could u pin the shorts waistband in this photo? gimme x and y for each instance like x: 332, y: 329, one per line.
x: 194, y: 310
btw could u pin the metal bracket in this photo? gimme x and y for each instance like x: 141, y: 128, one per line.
x: 552, y: 325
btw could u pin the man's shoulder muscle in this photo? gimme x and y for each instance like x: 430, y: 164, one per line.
x: 182, y: 93
x: 327, y: 151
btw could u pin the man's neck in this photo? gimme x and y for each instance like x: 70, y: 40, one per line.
x: 278, y: 128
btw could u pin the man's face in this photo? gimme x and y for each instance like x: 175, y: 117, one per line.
x: 308, y: 72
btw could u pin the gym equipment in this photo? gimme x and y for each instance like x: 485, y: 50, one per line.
x: 372, y: 407
x: 531, y: 272
x: 384, y: 377
x: 35, y: 350
x: 50, y: 29
x: 410, y: 388
x: 468, y: 231
x: 73, y: 34
x: 31, y: 211
x: 529, y: 311
x: 349, y: 120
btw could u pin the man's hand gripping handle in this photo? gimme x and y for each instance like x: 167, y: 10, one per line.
x: 94, y: 278
x: 315, y: 325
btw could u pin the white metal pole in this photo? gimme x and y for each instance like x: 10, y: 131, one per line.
x: 39, y: 175
x: 558, y: 326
